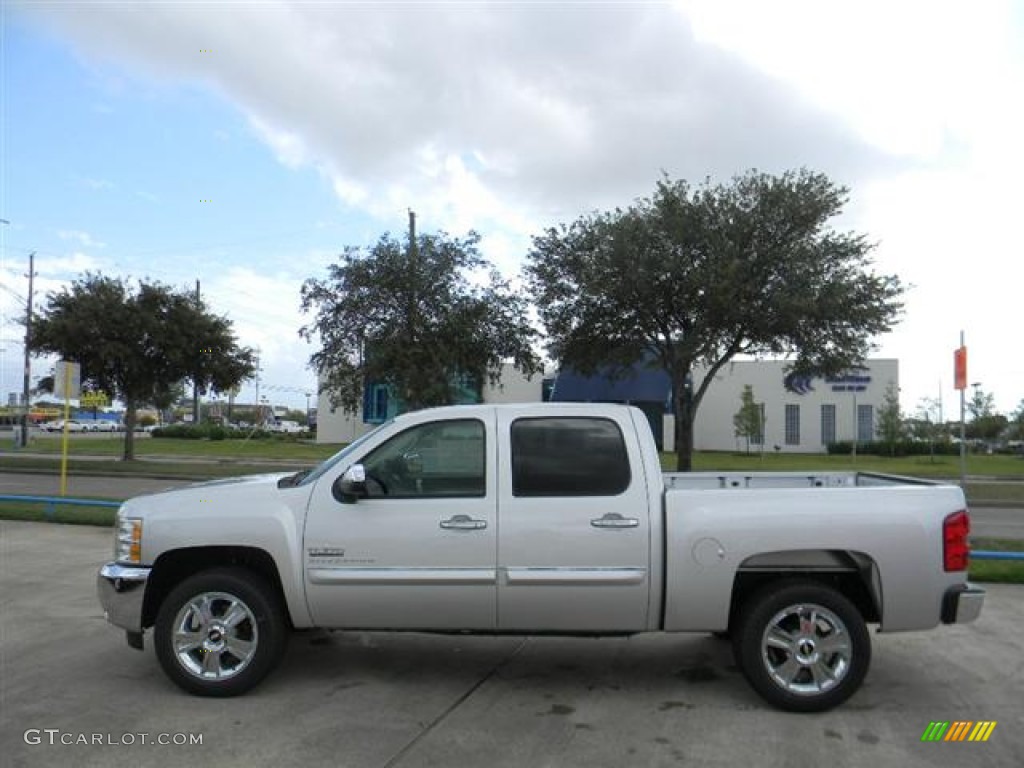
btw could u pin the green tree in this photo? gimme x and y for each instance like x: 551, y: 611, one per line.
x: 137, y: 342
x: 410, y: 317
x: 692, y: 277
x: 747, y: 420
x: 1017, y: 423
x: 890, y: 418
x: 985, y: 423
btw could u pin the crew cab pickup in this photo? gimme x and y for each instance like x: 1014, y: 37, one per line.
x: 539, y: 518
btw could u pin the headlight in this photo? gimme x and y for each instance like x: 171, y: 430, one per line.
x: 128, y: 546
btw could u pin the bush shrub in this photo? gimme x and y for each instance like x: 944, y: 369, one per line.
x: 901, y: 448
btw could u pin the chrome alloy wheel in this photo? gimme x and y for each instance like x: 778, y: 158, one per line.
x: 806, y: 649
x: 214, y: 635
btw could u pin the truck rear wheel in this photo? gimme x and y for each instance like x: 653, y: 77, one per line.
x: 220, y: 632
x: 802, y: 646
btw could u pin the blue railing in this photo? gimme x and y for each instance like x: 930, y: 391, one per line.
x: 981, y: 554
x: 52, y: 502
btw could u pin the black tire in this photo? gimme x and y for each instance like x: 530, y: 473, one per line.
x: 233, y: 627
x: 804, y: 665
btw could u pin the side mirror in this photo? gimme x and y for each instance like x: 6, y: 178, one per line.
x: 351, y: 486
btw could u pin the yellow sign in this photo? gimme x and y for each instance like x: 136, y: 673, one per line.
x: 96, y: 399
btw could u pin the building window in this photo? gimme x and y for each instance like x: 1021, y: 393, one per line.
x: 758, y: 437
x: 828, y: 424
x: 865, y: 423
x: 792, y: 425
x: 376, y: 399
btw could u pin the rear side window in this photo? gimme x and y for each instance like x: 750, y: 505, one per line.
x: 568, y: 456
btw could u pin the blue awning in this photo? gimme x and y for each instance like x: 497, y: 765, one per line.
x: 640, y: 385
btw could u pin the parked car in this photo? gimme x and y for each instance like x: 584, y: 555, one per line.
x: 285, y: 426
x: 102, y: 425
x: 540, y: 518
x: 58, y: 426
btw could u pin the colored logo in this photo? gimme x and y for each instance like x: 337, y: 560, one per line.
x: 798, y: 385
x: 959, y: 730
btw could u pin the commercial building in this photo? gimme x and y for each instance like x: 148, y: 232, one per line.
x: 798, y: 414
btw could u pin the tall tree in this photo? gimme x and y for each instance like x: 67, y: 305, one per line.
x: 409, y: 315
x: 985, y: 423
x: 1017, y: 422
x: 747, y: 420
x: 890, y: 418
x: 138, y: 342
x: 692, y: 277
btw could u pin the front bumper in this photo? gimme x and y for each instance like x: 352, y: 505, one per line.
x: 962, y: 604
x: 121, y: 589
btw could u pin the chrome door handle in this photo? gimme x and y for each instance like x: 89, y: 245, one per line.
x: 463, y: 523
x: 615, y: 520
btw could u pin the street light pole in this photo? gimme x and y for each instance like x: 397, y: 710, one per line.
x: 26, y: 389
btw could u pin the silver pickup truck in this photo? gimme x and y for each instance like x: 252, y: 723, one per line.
x: 539, y: 518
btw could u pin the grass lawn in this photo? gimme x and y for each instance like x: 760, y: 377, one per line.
x: 999, y: 571
x: 113, y: 446
x: 42, y: 512
x: 169, y: 469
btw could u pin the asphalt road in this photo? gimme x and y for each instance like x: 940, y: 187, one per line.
x: 992, y: 522
x: 374, y: 700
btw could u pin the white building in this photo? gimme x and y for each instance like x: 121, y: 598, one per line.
x: 341, y: 427
x: 800, y: 415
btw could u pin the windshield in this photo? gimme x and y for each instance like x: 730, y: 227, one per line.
x: 340, y: 456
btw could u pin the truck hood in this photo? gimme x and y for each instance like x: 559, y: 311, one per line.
x: 248, y: 494
x: 238, y: 512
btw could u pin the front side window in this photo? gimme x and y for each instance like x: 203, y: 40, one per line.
x: 438, y: 459
x: 567, y: 456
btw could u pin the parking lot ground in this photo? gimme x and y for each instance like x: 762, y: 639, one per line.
x: 355, y: 699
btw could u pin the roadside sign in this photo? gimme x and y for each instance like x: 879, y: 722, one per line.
x: 96, y: 399
x: 960, y: 368
x: 68, y: 380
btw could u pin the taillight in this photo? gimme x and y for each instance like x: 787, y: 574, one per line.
x: 956, y: 552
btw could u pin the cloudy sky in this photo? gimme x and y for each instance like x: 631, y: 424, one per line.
x: 244, y: 144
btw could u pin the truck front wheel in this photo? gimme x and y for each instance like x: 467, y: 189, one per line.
x: 802, y: 646
x: 220, y: 632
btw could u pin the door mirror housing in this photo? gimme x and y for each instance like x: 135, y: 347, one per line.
x: 351, y: 486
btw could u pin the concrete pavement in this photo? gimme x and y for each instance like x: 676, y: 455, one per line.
x: 379, y: 700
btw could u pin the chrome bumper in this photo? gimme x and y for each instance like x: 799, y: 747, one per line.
x: 121, y: 589
x: 962, y: 604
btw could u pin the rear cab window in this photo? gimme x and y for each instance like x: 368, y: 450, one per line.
x: 568, y: 456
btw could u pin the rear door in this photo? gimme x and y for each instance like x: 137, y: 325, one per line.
x: 574, y: 546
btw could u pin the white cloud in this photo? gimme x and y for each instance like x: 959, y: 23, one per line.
x: 507, y: 118
x: 82, y: 238
x: 264, y: 310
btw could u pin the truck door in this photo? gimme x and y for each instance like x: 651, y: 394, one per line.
x: 574, y: 547
x: 419, y: 551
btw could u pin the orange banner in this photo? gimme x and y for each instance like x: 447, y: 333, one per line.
x: 960, y: 368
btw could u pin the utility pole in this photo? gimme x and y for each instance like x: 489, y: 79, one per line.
x: 195, y: 376
x: 28, y: 358
x: 259, y: 408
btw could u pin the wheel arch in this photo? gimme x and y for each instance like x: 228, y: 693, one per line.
x: 173, y: 567
x: 853, y: 574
